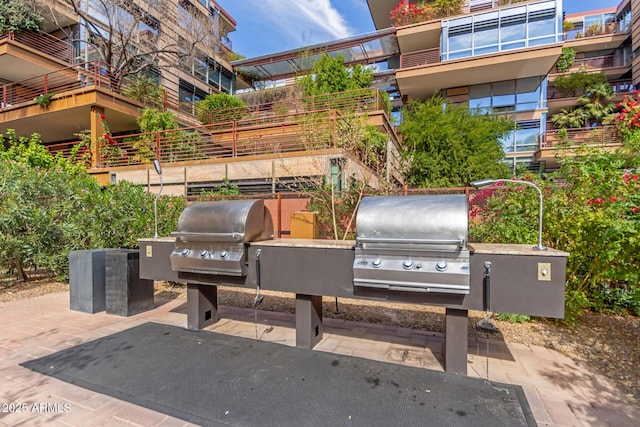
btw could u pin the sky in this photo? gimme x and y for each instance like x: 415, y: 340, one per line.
x: 270, y: 26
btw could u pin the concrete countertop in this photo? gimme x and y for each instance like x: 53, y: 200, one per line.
x: 159, y: 239
x: 513, y: 249
x: 307, y: 243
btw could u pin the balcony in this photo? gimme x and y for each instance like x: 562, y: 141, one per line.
x: 572, y: 140
x: 30, y: 53
x: 613, y: 66
x: 422, y: 72
x: 558, y: 100
x: 72, y: 91
x: 610, y: 36
x: 297, y: 128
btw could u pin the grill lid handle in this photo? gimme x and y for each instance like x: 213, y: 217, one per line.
x: 202, y: 237
x: 459, y: 241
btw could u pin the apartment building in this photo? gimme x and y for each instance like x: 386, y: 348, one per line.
x: 499, y: 57
x: 61, y: 83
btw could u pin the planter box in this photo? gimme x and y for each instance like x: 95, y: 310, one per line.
x: 126, y: 292
x: 87, y: 280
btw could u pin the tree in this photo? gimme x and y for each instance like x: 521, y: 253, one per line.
x: 17, y: 15
x: 329, y: 75
x: 449, y: 145
x: 129, y: 39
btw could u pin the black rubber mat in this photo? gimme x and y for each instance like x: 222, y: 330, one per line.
x: 213, y: 379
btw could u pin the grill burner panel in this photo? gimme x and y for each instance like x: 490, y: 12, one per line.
x: 204, y: 258
x: 212, y: 237
x: 413, y: 243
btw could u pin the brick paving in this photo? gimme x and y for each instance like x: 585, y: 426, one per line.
x: 560, y: 391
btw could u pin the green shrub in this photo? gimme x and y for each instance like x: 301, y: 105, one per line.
x: 566, y: 59
x: 50, y: 206
x: 594, y: 215
x: 144, y: 90
x: 575, y: 83
x: 219, y: 108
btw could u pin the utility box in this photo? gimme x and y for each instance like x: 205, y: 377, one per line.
x: 304, y: 225
x: 87, y: 280
x: 126, y: 293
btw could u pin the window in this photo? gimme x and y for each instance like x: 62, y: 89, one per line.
x: 525, y: 138
x: 506, y: 29
x: 504, y: 96
x: 480, y: 98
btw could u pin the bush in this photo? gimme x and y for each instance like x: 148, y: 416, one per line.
x: 566, y: 59
x: 50, y: 206
x: 219, y: 108
x: 575, y: 83
x: 594, y: 215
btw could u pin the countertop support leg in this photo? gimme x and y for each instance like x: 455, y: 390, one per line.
x: 308, y: 320
x: 202, y: 306
x: 456, y: 345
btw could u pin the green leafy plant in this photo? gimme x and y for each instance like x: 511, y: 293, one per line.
x: 513, y: 318
x: 567, y: 26
x: 594, y: 215
x: 44, y: 99
x: 221, y: 191
x: 450, y: 146
x: 144, y: 90
x: 574, y: 84
x: 330, y: 76
x: 219, y: 108
x: 19, y: 15
x: 566, y: 59
x: 50, y: 206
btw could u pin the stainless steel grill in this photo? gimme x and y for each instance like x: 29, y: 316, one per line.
x: 212, y: 237
x: 412, y: 243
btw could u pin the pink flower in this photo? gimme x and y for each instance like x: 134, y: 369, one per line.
x: 598, y: 201
x: 634, y: 178
x: 499, y: 183
x: 589, y: 202
x: 613, y: 198
x: 635, y: 210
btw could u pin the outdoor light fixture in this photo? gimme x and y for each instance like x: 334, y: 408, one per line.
x: 485, y: 182
x: 156, y: 164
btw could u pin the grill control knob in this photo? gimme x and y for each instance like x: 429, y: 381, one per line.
x: 407, y: 264
x: 186, y: 252
x: 204, y: 253
x: 441, y: 265
x: 376, y: 263
x: 224, y: 254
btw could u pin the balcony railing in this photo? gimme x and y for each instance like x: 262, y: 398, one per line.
x: 610, y: 28
x: 422, y: 57
x: 310, y: 131
x: 620, y: 87
x: 597, y: 62
x: 597, y: 137
x: 43, y: 42
x: 79, y: 76
x: 358, y: 101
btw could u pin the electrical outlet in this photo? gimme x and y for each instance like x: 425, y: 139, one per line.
x: 149, y: 251
x: 544, y: 271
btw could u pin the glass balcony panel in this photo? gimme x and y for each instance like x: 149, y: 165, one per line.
x: 485, y: 50
x: 458, y: 42
x: 512, y: 33
x: 542, y: 27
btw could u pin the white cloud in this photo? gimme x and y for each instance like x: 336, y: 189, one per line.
x: 313, y: 19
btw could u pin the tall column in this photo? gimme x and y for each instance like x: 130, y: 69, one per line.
x: 97, y: 131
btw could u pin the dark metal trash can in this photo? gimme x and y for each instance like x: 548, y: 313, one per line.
x: 126, y: 293
x: 87, y: 280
